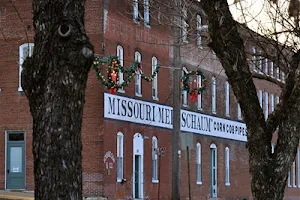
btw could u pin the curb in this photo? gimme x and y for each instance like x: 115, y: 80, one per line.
x: 8, y: 197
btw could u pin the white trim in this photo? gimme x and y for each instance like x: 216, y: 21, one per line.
x: 146, y: 13
x: 294, y: 174
x: 138, y: 149
x: 120, y: 54
x: 138, y: 78
x: 254, y: 61
x: 266, y: 70
x: 199, y: 85
x: 260, y: 68
x: 266, y: 105
x: 154, y: 157
x: 198, y: 162
x: 272, y: 103
x: 135, y: 11
x: 120, y: 150
x: 227, y: 167
x: 277, y: 73
x: 272, y: 69
x: 227, y: 99
x: 239, y: 112
x: 155, y: 79
x: 213, y: 146
x: 289, y: 179
x: 260, y: 97
x: 155, y: 181
x: 213, y: 95
x: 22, y: 59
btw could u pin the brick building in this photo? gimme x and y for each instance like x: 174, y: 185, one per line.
x: 121, y: 132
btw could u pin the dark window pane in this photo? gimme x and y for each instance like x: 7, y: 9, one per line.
x: 16, y: 137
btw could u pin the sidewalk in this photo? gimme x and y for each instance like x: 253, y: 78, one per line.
x: 16, y: 195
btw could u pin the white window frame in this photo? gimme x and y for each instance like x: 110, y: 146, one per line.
x: 184, y: 93
x: 198, y: 165
x: 254, y: 59
x: 260, y: 97
x: 260, y: 68
x: 227, y: 167
x: 213, y: 148
x: 272, y: 103
x: 266, y: 66
x: 184, y: 30
x: 138, y: 78
x: 239, y: 112
x: 289, y: 179
x: 272, y: 69
x: 227, y: 99
x: 277, y: 100
x: 22, y: 58
x: 146, y: 13
x: 277, y: 73
x: 266, y: 105
x: 120, y: 157
x: 154, y: 81
x: 214, y: 95
x: 298, y: 168
x: 294, y: 174
x: 155, y: 160
x: 120, y: 54
x: 199, y: 85
x: 135, y: 5
x: 282, y: 76
x: 272, y: 148
x: 199, y: 28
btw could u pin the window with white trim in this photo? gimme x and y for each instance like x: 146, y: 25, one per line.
x: 184, y: 92
x: 146, y: 13
x: 277, y: 73
x: 272, y: 69
x: 266, y: 105
x: 154, y: 160
x: 184, y: 30
x: 277, y: 99
x: 260, y: 97
x: 198, y: 169
x: 272, y: 148
x: 120, y: 54
x: 213, y: 95
x: 298, y: 168
x: 227, y: 168
x: 25, y: 50
x: 199, y: 85
x: 260, y: 67
x: 272, y: 103
x: 199, y: 29
x: 282, y: 76
x: 141, y: 11
x: 289, y: 179
x: 120, y: 156
x: 138, y: 77
x: 227, y: 99
x: 239, y: 112
x: 135, y: 5
x: 154, y: 82
x: 254, y: 61
x: 266, y: 66
x: 294, y: 174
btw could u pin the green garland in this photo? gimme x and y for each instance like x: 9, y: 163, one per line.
x: 114, y: 68
x: 186, y: 86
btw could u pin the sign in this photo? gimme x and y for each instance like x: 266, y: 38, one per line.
x: 153, y: 114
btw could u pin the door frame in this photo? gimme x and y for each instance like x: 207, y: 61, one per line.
x: 138, y: 149
x: 213, y: 147
x: 5, y: 167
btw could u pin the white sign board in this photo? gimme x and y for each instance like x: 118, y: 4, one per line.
x: 153, y: 114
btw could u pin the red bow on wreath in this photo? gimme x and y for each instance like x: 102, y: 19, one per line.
x: 194, y: 97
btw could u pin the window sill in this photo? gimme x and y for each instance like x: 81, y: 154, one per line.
x: 20, y: 89
x: 136, y: 21
x: 155, y: 98
x: 119, y: 180
x: 227, y: 184
x: 147, y: 25
x: 138, y: 95
x: 185, y: 105
x: 155, y: 181
x: 199, y: 108
x: 227, y: 115
x: 199, y: 182
x: 294, y: 186
x: 121, y: 90
x: 214, y: 112
x: 289, y: 186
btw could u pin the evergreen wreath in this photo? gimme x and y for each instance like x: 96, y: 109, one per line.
x: 195, y: 91
x: 114, y: 68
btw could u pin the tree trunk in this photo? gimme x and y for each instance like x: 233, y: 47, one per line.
x: 268, y: 171
x: 54, y: 81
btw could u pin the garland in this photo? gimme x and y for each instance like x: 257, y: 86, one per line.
x: 114, y: 68
x: 195, y: 91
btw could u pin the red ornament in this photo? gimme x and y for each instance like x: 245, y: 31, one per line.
x: 112, y: 91
x: 194, y: 97
x: 113, y: 76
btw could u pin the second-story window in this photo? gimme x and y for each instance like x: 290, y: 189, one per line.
x: 154, y: 82
x: 271, y: 69
x: 266, y: 106
x: 146, y: 13
x: 25, y: 50
x: 184, y: 26
x: 277, y: 73
x: 260, y: 67
x: 120, y: 54
x: 260, y: 97
x: 239, y: 112
x: 266, y: 66
x: 135, y: 4
x: 199, y: 85
x: 227, y: 100
x: 213, y: 96
x: 282, y: 76
x: 272, y: 103
x: 184, y: 93
x: 199, y: 28
x: 138, y: 78
x: 141, y: 11
x: 254, y: 61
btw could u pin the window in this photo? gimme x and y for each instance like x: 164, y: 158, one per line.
x: 260, y: 70
x: 271, y: 69
x: 213, y: 96
x: 227, y: 102
x: 272, y: 148
x: 254, y: 59
x: 135, y: 10
x: 199, y: 175
x: 120, y: 156
x: 184, y: 26
x: 138, y: 78
x: 227, y: 169
x: 298, y: 168
x: 260, y: 97
x: 239, y: 112
x: 184, y: 93
x: 199, y: 28
x: 213, y: 171
x: 25, y: 50
x: 154, y: 82
x: 120, y: 55
x: 294, y: 174
x: 266, y: 106
x: 289, y: 179
x: 199, y: 85
x: 283, y: 76
x: 154, y: 160
x: 266, y: 66
x: 277, y: 99
x: 272, y: 103
x: 146, y: 13
x: 141, y: 11
x: 277, y: 73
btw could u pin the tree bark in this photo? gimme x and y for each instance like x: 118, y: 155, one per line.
x: 268, y: 171
x: 54, y: 81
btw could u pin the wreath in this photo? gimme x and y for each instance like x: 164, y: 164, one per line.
x: 112, y: 82
x: 197, y: 90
